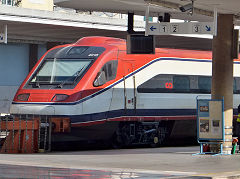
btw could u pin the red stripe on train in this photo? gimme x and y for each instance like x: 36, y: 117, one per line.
x: 135, y: 118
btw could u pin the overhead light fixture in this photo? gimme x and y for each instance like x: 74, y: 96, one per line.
x: 187, y: 7
x: 176, y: 6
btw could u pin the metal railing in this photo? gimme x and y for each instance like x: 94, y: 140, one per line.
x: 25, y: 134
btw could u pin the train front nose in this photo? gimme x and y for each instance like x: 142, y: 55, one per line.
x: 32, y: 109
x: 37, y: 103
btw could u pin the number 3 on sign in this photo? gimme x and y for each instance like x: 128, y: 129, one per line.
x: 174, y: 28
x: 196, y: 28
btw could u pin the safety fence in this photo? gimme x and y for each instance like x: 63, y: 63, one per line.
x: 25, y: 134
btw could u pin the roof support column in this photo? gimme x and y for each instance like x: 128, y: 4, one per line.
x: 33, y: 55
x: 222, y: 72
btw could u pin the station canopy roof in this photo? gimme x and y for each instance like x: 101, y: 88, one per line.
x: 203, y: 9
x: 40, y: 27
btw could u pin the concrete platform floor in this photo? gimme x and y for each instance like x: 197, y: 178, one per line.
x: 165, y: 162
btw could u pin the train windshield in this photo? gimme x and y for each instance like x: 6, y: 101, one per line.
x: 64, y: 67
x: 57, y: 71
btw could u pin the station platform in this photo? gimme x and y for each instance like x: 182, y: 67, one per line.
x: 165, y: 162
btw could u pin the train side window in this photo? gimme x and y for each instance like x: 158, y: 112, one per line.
x: 236, y: 85
x: 193, y: 84
x: 181, y: 83
x: 165, y: 83
x: 109, y: 69
x: 204, y: 84
x: 158, y: 84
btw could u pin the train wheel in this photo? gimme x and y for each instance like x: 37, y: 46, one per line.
x: 116, y: 141
x: 155, y: 142
x: 121, y: 137
x: 165, y: 128
x: 163, y: 133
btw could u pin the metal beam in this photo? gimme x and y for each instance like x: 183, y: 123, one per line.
x: 176, y: 6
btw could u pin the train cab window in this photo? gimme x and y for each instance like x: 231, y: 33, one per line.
x: 58, y: 71
x: 107, y: 73
x: 77, y: 50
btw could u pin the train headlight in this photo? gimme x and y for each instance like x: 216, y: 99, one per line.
x: 23, y: 97
x: 59, y: 97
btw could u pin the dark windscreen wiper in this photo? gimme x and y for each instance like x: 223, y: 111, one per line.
x: 75, y: 75
x: 35, y: 85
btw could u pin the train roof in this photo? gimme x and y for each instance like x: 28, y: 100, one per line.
x: 121, y: 45
x: 101, y: 41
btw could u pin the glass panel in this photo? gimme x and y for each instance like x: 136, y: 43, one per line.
x: 181, y: 83
x: 77, y: 50
x: 9, y: 2
x: 59, y: 70
x: 158, y: 84
x: 193, y: 82
x: 110, y: 69
x: 236, y: 85
x: 204, y: 84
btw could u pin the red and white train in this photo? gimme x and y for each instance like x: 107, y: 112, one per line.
x: 107, y: 94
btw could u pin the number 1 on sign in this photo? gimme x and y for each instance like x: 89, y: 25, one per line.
x: 163, y: 29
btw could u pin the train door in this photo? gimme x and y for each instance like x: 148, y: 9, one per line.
x: 129, y: 87
x: 123, y: 97
x: 98, y: 106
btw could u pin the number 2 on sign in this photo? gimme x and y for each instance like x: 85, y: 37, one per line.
x: 174, y: 28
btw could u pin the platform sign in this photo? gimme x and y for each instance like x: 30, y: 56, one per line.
x: 202, y: 28
x: 210, y: 124
x: 167, y: 28
x: 154, y: 29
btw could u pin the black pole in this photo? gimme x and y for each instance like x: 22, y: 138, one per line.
x: 130, y: 23
x: 167, y: 17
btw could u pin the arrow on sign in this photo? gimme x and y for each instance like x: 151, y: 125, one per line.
x: 152, y: 28
x: 208, y: 28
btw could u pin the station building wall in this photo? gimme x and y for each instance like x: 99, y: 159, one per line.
x: 37, y: 4
x: 14, y: 67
